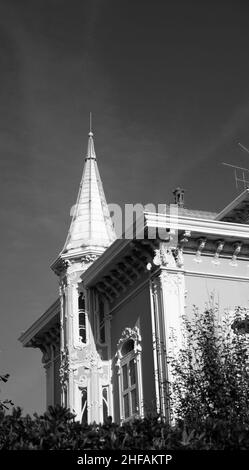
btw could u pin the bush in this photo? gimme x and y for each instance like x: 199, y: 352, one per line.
x: 210, y: 389
x: 211, y: 401
x: 57, y: 430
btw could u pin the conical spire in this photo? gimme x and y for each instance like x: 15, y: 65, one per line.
x: 91, y: 228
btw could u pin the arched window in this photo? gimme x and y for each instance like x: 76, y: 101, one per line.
x: 129, y: 372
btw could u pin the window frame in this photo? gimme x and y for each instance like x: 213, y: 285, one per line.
x: 82, y: 311
x: 124, y: 359
x: 84, y: 418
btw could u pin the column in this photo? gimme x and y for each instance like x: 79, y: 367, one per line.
x: 167, y: 310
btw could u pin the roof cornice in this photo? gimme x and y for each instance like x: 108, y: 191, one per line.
x: 42, y: 322
x: 211, y: 227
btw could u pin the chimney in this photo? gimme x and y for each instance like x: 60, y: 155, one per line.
x: 179, y: 197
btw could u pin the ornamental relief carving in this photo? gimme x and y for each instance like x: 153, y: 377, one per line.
x: 171, y: 282
x: 73, y: 277
x: 81, y: 367
x: 168, y: 256
x: 62, y: 286
x: 178, y: 254
x: 87, y: 260
x: 154, y: 289
x: 129, y: 333
x: 164, y: 257
x: 64, y: 368
x: 48, y: 348
x: 92, y: 360
x: 82, y: 381
x: 46, y: 354
x: 156, y: 286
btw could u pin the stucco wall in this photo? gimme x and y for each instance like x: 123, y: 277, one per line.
x: 228, y: 284
x: 135, y: 311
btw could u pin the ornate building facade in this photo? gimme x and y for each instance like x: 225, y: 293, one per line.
x: 105, y: 342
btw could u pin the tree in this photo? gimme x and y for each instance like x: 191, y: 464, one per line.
x: 4, y: 404
x: 211, y: 372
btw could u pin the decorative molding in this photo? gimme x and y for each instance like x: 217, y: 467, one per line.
x: 62, y: 285
x: 129, y: 333
x: 59, y: 266
x: 185, y: 237
x: 237, y: 249
x: 73, y: 277
x: 172, y: 281
x: 178, y: 254
x: 217, y: 276
x: 46, y: 353
x: 64, y: 368
x: 201, y: 245
x: 92, y: 360
x: 197, y: 225
x: 164, y: 256
x: 87, y: 260
x: 220, y: 246
x: 82, y: 381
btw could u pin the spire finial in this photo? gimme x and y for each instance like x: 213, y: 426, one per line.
x: 90, y: 148
x: 90, y: 125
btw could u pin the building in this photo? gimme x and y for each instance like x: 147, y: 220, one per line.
x: 106, y: 339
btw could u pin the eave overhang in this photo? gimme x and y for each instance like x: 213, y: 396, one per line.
x: 237, y: 211
x: 195, y: 227
x: 47, y: 322
x: 60, y: 264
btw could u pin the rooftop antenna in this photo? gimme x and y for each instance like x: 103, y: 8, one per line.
x: 241, y: 175
x: 242, y: 147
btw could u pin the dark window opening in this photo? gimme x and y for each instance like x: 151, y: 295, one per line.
x: 105, y: 402
x: 82, y: 318
x: 102, y: 321
x: 84, y: 405
x: 127, y: 347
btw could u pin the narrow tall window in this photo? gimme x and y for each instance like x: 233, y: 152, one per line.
x: 130, y: 374
x: 105, y: 402
x: 65, y: 397
x: 64, y: 339
x: 82, y: 318
x: 83, y: 405
x: 129, y: 380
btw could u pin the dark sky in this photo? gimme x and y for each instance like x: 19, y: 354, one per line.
x: 167, y: 83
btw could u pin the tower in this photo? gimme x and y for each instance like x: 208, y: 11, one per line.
x: 90, y: 233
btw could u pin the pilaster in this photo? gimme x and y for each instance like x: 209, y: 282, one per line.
x: 167, y: 288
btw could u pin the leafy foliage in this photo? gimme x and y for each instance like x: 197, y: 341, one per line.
x: 56, y: 429
x: 5, y: 404
x: 211, y: 379
x: 210, y: 390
